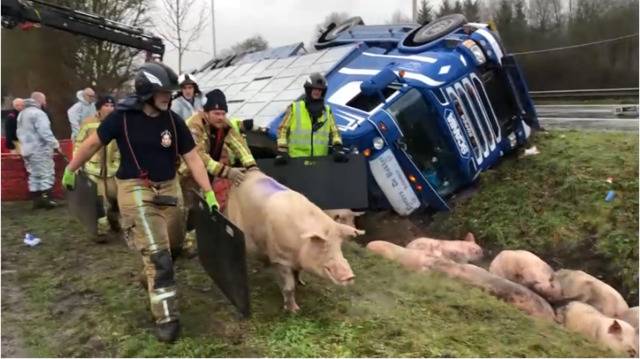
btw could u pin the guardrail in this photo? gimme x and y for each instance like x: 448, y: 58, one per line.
x: 627, y: 92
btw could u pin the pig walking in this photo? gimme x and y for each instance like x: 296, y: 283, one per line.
x: 292, y: 233
x: 460, y: 251
x: 580, y: 286
x: 527, y: 269
x: 615, y: 334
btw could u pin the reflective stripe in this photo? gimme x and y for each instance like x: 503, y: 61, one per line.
x: 160, y: 297
x: 142, y: 215
x: 302, y: 139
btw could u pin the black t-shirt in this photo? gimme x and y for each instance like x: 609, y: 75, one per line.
x: 153, y: 142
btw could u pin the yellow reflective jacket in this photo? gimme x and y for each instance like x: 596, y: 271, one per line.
x: 105, y: 162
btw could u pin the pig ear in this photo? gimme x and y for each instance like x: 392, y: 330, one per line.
x: 470, y: 237
x: 315, y: 237
x: 348, y: 231
x: 615, y: 328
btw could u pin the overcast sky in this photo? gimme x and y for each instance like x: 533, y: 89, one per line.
x: 280, y: 22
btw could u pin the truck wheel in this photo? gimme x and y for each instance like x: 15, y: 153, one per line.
x: 333, y: 31
x: 434, y: 30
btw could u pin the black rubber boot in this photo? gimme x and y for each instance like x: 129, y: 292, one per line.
x: 46, y: 201
x: 168, y: 332
x: 36, y: 199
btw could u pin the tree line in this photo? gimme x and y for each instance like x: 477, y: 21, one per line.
x: 535, y: 25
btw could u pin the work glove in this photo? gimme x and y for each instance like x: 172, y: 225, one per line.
x: 234, y: 174
x: 69, y: 179
x: 339, y: 155
x: 282, y: 158
x: 211, y: 200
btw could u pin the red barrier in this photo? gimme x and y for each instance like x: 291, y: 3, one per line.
x: 14, y: 175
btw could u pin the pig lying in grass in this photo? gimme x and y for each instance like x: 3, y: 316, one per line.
x: 284, y: 228
x: 527, y: 269
x: 580, y: 286
x: 617, y: 335
x: 411, y: 259
x: 514, y: 293
x: 631, y: 317
x: 517, y: 295
x: 463, y: 251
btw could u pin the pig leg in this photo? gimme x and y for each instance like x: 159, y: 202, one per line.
x: 296, y: 274
x: 287, y: 283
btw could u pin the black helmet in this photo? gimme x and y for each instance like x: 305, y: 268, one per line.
x: 315, y: 80
x: 152, y: 77
x: 102, y: 100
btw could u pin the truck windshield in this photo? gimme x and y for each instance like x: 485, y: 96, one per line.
x: 425, y: 143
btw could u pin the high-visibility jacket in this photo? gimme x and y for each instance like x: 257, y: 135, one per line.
x: 297, y: 135
x: 104, y: 163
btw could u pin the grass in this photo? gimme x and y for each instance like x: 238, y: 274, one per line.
x: 553, y: 204
x: 78, y: 298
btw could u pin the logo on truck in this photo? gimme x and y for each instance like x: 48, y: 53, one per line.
x: 457, y: 134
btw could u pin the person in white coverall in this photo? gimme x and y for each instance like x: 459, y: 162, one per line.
x: 80, y: 110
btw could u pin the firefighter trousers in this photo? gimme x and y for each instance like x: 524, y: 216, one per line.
x: 155, y: 231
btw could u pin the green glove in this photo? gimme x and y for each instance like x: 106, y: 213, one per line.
x: 69, y: 179
x: 210, y: 197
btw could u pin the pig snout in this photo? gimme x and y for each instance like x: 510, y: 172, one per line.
x: 339, y: 272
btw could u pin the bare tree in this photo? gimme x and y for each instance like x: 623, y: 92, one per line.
x: 102, y: 64
x: 399, y: 18
x: 251, y: 44
x: 180, y: 23
x: 425, y: 13
x: 546, y: 14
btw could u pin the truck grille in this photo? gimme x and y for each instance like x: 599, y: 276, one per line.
x: 474, y: 109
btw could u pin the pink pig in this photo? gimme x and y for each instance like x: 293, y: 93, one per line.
x: 291, y: 233
x: 460, y: 251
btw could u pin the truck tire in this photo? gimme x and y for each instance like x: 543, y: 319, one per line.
x: 434, y: 30
x: 333, y: 31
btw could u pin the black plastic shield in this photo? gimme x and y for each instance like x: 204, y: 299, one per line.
x: 221, y: 250
x: 85, y: 204
x: 328, y: 184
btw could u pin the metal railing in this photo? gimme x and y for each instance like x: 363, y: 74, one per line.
x: 625, y: 92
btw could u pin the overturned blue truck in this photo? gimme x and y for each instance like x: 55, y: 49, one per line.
x: 429, y: 107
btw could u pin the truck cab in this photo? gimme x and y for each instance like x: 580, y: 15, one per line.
x: 430, y: 107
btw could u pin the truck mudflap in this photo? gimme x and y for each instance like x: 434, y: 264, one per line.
x: 519, y: 87
x: 328, y: 184
x: 221, y: 250
x: 85, y: 204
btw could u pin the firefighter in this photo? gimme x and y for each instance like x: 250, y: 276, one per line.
x: 308, y: 127
x: 189, y: 99
x: 102, y: 167
x: 150, y: 138
x: 214, y: 133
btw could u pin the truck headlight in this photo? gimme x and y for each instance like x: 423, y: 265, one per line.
x: 476, y: 51
x: 378, y: 143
